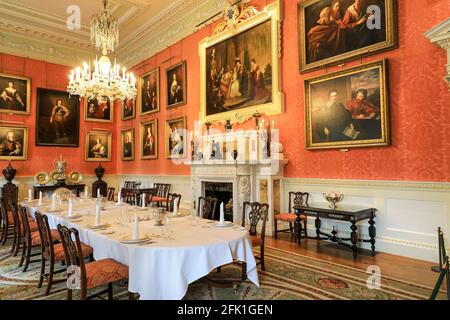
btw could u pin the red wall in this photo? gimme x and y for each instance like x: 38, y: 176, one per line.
x: 419, y: 103
x: 51, y: 76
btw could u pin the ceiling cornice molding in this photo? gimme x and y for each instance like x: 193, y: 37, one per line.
x: 171, y: 26
x: 42, y: 50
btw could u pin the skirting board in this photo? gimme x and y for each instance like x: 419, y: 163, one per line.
x: 408, y: 216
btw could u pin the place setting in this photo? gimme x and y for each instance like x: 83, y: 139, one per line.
x: 135, y: 237
x: 98, y: 225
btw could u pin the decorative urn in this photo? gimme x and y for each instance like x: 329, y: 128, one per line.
x: 99, y: 171
x: 9, y: 172
x: 333, y: 198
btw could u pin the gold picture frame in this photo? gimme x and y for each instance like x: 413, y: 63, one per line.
x: 127, y: 147
x: 86, y: 104
x: 179, y: 124
x: 21, y: 84
x: 384, y: 39
x: 146, y: 142
x: 249, y: 18
x: 178, y: 69
x: 342, y: 114
x: 102, y: 151
x: 144, y: 101
x: 132, y: 115
x: 17, y: 149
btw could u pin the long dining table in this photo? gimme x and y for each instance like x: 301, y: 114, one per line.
x: 182, y: 251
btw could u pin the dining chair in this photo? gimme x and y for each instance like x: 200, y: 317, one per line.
x: 296, y: 199
x: 206, y: 207
x: 7, y: 222
x: 31, y: 239
x: 172, y: 198
x: 161, y: 193
x: 92, y: 274
x: 253, y: 213
x: 53, y: 252
x: 110, y: 193
x: 18, y: 227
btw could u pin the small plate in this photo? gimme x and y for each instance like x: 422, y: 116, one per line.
x: 107, y: 232
x: 76, y: 220
x: 128, y: 240
x: 224, y: 225
x: 72, y: 217
x: 101, y: 226
x: 50, y: 210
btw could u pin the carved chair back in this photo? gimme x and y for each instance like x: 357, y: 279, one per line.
x: 110, y: 193
x: 162, y: 189
x: 206, y: 207
x: 173, y: 198
x: 253, y: 212
x: 16, y: 218
x: 25, y: 224
x: 45, y: 235
x: 298, y: 199
x: 4, y: 214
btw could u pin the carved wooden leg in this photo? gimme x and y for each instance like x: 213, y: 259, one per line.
x: 15, y: 240
x: 298, y: 230
x: 305, y: 227
x: 318, y: 224
x: 41, y: 276
x: 24, y: 250
x: 69, y: 294
x: 372, y: 234
x: 354, y: 238
x: 50, y: 277
x: 20, y: 241
x: 244, y: 271
x: 263, y: 265
x: 110, y: 291
x: 276, y: 229
x: 27, y: 257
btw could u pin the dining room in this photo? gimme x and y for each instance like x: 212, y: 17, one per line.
x: 255, y: 151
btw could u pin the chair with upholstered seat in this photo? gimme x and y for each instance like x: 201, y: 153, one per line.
x: 296, y: 199
x: 253, y: 213
x: 93, y: 274
x: 173, y: 198
x: 206, y: 207
x: 18, y: 227
x: 6, y: 222
x: 161, y: 193
x: 51, y: 252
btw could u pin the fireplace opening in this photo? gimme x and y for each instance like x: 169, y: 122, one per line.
x: 224, y: 193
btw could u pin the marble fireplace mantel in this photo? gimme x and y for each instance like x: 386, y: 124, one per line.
x: 246, y: 177
x: 440, y: 35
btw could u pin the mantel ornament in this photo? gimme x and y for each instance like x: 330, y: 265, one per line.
x: 440, y: 35
x: 9, y: 172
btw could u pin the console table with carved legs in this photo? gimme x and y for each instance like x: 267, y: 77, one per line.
x: 347, y: 213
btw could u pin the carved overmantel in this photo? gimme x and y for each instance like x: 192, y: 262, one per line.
x: 440, y: 35
x: 246, y: 177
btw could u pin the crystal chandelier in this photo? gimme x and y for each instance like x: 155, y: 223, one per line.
x: 105, y: 80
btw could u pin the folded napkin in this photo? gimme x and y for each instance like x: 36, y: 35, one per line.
x: 97, y: 215
x: 135, y: 234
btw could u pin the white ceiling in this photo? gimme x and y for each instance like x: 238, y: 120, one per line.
x: 37, y: 28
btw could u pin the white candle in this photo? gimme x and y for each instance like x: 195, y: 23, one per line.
x: 98, y: 193
x: 143, y: 200
x: 119, y: 197
x: 40, y: 198
x: 97, y: 215
x: 222, y: 214
x: 85, y: 192
x: 70, y: 210
x: 175, y: 206
x: 136, y: 227
x: 30, y: 197
x: 53, y: 201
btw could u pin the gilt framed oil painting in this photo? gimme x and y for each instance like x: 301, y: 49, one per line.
x: 149, y: 139
x: 149, y: 92
x: 57, y: 119
x: 98, y: 110
x: 348, y: 108
x: 334, y: 31
x: 127, y: 144
x: 176, y: 138
x: 240, y: 67
x: 13, y: 143
x: 98, y: 146
x: 176, y: 86
x: 128, y: 109
x: 15, y: 94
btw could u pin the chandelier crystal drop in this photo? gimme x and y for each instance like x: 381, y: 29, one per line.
x: 104, y: 80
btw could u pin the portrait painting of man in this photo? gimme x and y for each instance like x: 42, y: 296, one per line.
x: 13, y: 143
x: 348, y: 108
x: 176, y: 138
x: 128, y: 109
x: 239, y: 71
x: 58, y: 118
x: 15, y: 94
x: 98, y: 109
x: 149, y: 90
x: 176, y: 85
x: 127, y: 143
x: 332, y: 31
x: 98, y: 146
x: 149, y: 139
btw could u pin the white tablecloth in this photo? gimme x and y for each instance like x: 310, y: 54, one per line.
x: 165, y: 268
